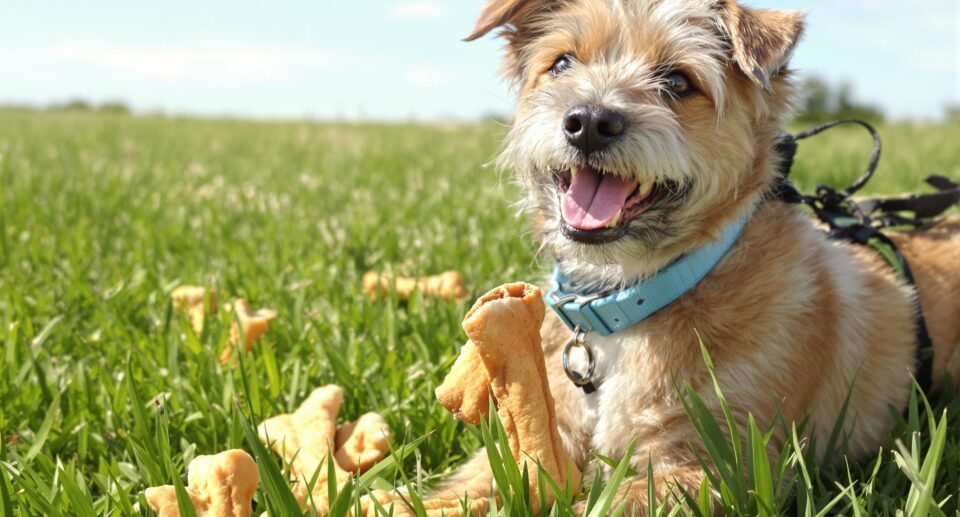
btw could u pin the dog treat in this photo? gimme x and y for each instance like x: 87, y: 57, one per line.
x: 221, y: 485
x: 361, y: 444
x: 193, y: 300
x: 504, y: 331
x: 466, y: 391
x: 253, y: 324
x: 449, y: 285
x: 306, y: 437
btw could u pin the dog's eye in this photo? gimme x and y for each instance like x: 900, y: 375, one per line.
x: 678, y: 83
x: 561, y: 65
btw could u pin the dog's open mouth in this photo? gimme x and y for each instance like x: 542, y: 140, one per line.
x: 594, y: 201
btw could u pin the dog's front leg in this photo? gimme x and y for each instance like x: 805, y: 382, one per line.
x: 635, y: 491
x: 473, y: 480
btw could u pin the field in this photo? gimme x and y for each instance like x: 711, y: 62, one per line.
x: 104, y: 391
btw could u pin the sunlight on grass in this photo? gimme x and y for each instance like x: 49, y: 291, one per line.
x: 104, y: 391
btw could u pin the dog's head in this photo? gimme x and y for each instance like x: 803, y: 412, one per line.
x: 642, y: 127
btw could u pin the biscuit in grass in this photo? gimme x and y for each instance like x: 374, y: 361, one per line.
x: 248, y: 325
x: 448, y: 285
x: 505, y: 352
x: 196, y: 302
x: 306, y: 437
x: 466, y: 390
x: 361, y: 444
x: 221, y: 485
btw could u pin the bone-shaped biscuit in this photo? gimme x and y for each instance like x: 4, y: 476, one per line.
x: 197, y: 302
x: 253, y: 323
x: 505, y: 347
x: 448, y: 285
x: 221, y: 485
x: 306, y: 437
x: 466, y: 390
x: 361, y: 444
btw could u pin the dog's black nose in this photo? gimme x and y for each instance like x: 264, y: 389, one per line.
x: 592, y: 128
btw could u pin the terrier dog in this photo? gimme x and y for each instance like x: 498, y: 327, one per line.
x: 644, y: 129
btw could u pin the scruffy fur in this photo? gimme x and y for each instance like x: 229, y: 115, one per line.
x: 794, y: 321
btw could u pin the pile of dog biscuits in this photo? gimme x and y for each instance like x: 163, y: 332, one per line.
x: 502, y: 359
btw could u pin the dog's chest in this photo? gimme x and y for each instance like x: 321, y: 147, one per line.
x: 633, y: 391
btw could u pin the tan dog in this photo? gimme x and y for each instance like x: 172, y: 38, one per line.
x: 643, y: 128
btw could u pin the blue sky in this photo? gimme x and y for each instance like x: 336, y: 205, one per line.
x: 396, y: 59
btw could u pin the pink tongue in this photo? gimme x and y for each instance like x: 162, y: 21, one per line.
x: 593, y: 199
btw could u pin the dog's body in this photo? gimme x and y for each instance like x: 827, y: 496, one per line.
x: 684, y: 99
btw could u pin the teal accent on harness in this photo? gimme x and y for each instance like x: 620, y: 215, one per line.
x: 886, y: 250
x: 607, y: 313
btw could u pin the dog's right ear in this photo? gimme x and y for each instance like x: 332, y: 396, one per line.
x: 495, y: 14
x: 762, y: 39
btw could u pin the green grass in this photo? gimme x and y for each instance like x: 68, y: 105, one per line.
x: 104, y: 392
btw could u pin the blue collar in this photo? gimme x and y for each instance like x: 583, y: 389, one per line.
x: 606, y: 313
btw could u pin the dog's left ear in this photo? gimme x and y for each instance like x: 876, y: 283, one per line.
x: 762, y: 39
x: 495, y: 14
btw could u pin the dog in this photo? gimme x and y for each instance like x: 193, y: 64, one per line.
x: 643, y: 130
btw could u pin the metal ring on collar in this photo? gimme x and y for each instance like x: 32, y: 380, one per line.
x: 579, y: 340
x: 559, y: 302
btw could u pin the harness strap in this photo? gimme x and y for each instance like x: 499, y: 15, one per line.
x: 924, y: 349
x: 862, y: 222
x: 923, y: 206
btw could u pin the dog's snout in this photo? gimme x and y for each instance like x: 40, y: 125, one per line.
x: 592, y: 128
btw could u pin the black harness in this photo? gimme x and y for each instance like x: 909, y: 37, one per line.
x: 863, y: 221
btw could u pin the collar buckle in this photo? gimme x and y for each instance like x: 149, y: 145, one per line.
x: 581, y: 315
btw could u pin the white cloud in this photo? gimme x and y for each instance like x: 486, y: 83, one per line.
x: 419, y: 10
x: 197, y: 64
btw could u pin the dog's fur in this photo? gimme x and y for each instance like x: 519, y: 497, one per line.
x: 794, y: 321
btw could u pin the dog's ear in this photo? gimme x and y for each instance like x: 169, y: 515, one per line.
x: 762, y: 39
x: 495, y: 14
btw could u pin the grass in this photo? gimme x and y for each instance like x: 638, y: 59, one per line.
x: 103, y: 391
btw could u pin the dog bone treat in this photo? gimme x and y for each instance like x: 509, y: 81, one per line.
x: 306, y: 437
x: 504, y: 331
x: 361, y: 444
x: 193, y: 300
x: 465, y: 391
x: 222, y: 485
x: 253, y: 324
x: 449, y: 285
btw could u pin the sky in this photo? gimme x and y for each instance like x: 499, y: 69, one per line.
x: 397, y: 59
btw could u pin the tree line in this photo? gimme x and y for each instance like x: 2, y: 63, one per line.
x: 822, y: 102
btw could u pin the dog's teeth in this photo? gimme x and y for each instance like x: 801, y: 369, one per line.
x: 616, y: 219
x: 645, y: 189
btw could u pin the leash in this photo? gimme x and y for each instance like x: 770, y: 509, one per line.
x: 863, y: 222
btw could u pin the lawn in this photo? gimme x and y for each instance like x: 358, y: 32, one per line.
x: 104, y: 391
